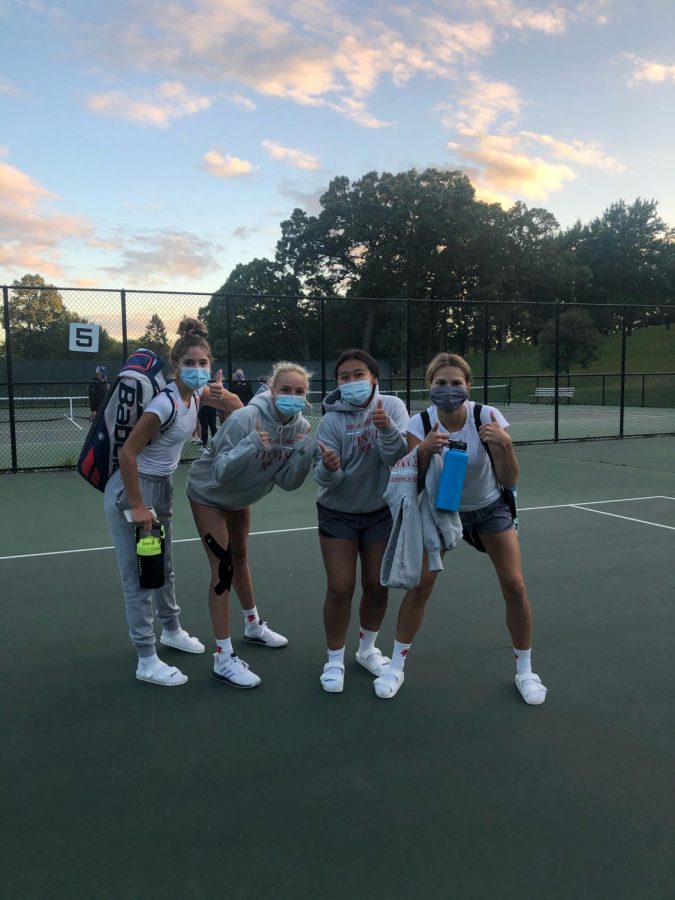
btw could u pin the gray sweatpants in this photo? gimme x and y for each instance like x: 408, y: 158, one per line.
x: 157, y: 492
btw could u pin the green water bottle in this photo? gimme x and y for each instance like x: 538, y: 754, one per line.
x: 150, y: 556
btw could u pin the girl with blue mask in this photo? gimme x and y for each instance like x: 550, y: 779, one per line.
x: 483, y: 512
x: 360, y: 436
x: 147, y: 460
x: 268, y: 443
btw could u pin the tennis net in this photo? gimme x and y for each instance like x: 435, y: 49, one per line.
x: 35, y: 410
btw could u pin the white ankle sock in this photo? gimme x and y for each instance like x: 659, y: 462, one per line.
x: 251, y: 617
x: 399, y: 654
x: 523, y: 661
x: 224, y: 645
x: 337, y: 656
x: 366, y: 640
x: 146, y: 662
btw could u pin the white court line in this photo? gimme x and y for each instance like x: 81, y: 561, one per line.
x: 313, y: 527
x: 601, y: 512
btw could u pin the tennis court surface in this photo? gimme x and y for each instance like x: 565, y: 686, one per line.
x: 455, y: 788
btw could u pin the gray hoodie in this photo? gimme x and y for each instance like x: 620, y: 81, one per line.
x: 418, y: 526
x: 366, y: 454
x: 238, y: 469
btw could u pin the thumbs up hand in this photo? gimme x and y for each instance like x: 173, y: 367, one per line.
x: 492, y: 432
x: 215, y: 388
x: 435, y: 440
x: 264, y: 436
x: 330, y: 458
x: 380, y: 419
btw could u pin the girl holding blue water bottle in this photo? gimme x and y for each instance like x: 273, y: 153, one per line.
x: 486, y: 518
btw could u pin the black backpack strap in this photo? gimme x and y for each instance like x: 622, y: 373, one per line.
x: 426, y: 421
x: 477, y: 409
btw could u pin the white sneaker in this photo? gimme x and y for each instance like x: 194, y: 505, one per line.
x: 234, y: 671
x: 263, y: 634
x: 181, y: 640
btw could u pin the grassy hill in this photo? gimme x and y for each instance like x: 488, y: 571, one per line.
x: 648, y: 350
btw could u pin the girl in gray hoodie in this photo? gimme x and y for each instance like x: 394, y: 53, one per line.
x: 360, y: 437
x: 266, y: 443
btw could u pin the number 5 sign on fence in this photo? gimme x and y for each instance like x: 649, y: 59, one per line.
x: 83, y: 337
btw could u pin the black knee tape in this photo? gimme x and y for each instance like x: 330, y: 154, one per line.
x: 224, y: 564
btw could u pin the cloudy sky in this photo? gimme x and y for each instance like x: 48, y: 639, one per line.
x: 157, y: 144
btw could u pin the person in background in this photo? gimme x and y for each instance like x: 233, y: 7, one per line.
x: 264, y: 384
x: 361, y: 436
x: 240, y: 386
x: 208, y: 419
x: 98, y: 388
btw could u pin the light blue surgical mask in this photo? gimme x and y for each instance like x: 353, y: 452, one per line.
x: 289, y: 405
x: 356, y: 392
x: 194, y: 378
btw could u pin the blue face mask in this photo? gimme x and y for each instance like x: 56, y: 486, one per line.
x: 194, y: 378
x: 289, y: 405
x: 448, y: 397
x: 356, y: 392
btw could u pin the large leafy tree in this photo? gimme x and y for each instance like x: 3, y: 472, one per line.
x: 627, y: 251
x: 269, y: 315
x: 579, y: 341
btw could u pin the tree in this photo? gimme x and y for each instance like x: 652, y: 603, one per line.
x: 155, y: 337
x: 275, y: 318
x: 579, y: 342
x: 38, y: 319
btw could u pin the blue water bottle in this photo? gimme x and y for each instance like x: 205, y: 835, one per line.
x: 452, y: 477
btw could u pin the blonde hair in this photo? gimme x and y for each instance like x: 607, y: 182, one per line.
x: 281, y: 368
x: 192, y: 334
x: 441, y: 360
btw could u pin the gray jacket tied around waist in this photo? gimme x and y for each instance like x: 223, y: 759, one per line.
x: 418, y: 527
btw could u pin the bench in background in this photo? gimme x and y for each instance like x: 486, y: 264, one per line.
x: 549, y: 393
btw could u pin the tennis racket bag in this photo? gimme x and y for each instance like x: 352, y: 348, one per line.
x: 139, y: 380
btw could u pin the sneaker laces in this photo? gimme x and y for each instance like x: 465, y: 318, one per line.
x: 238, y: 663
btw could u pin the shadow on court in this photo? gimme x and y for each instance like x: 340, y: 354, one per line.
x: 455, y: 788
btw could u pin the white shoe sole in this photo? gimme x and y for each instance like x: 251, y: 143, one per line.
x: 261, y: 643
x: 161, y: 683
x: 178, y: 647
x: 224, y: 680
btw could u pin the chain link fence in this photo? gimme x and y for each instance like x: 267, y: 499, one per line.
x: 559, y: 372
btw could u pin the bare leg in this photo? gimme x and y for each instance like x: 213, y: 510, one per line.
x: 413, y: 605
x: 339, y: 559
x: 504, y: 551
x: 212, y: 521
x: 374, y: 597
x: 238, y: 526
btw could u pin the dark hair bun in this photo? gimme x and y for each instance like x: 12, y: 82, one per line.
x: 192, y: 328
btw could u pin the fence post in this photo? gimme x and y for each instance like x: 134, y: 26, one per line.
x: 556, y: 381
x: 622, y: 400
x: 407, y: 353
x: 125, y: 338
x: 228, y: 336
x: 322, y: 343
x: 643, y: 390
x: 10, y: 380
x: 486, y: 342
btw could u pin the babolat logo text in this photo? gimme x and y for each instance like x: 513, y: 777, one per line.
x: 126, y: 404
